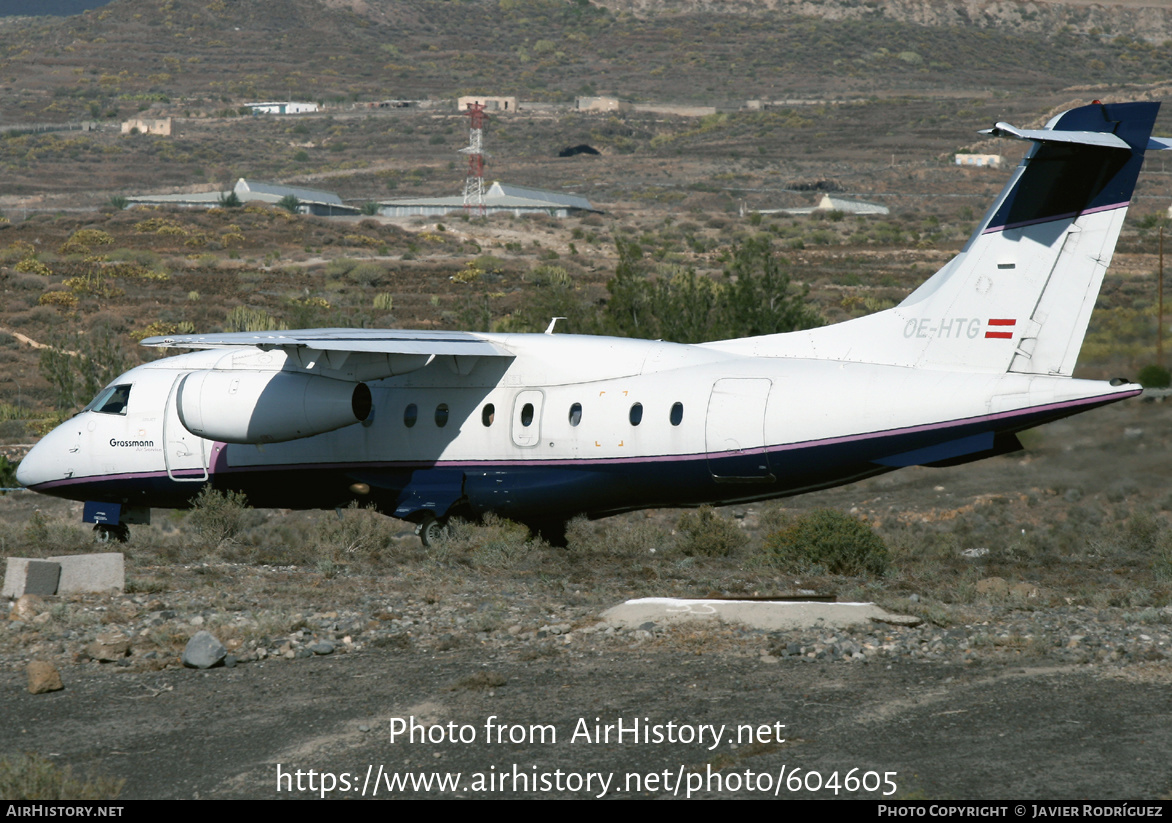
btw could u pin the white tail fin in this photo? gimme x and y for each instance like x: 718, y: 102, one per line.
x: 1019, y: 295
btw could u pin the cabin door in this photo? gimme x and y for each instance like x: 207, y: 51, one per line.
x: 734, y: 431
x: 182, y: 450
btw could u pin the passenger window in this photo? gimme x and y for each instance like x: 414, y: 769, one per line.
x: 527, y: 414
x: 677, y: 414
x: 636, y: 415
x: 111, y: 401
x: 410, y: 415
x: 441, y: 415
x: 575, y: 414
x: 488, y: 414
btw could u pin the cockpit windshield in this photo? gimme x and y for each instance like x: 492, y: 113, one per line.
x: 110, y: 400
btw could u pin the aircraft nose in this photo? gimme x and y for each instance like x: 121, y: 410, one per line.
x: 44, y: 462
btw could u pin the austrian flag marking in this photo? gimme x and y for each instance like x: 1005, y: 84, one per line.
x: 1006, y: 335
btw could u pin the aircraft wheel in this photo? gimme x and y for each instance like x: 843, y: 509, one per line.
x: 433, y: 530
x: 111, y: 533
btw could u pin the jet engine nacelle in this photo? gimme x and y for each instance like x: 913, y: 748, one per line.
x: 268, y: 407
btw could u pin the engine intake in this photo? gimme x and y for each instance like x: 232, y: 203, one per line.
x: 268, y: 407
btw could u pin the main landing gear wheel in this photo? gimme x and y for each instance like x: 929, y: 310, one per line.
x: 433, y: 530
x: 111, y: 533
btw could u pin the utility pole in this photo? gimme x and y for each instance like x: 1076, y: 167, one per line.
x: 1160, y: 310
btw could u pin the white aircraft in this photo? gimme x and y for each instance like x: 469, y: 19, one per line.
x: 542, y: 427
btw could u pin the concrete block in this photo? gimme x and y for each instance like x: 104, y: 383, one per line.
x: 770, y: 616
x: 26, y: 576
x: 84, y: 573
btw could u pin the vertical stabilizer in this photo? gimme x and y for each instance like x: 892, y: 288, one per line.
x: 1020, y: 293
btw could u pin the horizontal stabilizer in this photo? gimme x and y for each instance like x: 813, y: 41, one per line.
x: 1084, y: 138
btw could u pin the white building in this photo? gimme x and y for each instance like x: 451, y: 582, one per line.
x: 285, y: 107
x: 502, y: 104
x: 992, y: 161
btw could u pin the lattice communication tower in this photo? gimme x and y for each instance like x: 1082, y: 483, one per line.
x: 474, y: 182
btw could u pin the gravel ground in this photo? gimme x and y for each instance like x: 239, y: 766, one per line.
x: 1066, y: 702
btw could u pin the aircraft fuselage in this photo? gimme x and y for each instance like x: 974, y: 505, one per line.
x: 570, y: 425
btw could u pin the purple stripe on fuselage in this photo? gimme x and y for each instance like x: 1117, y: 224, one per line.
x: 1054, y: 218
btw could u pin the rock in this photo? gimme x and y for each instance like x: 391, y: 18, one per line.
x: 27, y: 607
x: 108, y: 647
x: 1023, y: 590
x: 203, y: 651
x: 898, y: 620
x: 43, y: 677
x: 993, y: 587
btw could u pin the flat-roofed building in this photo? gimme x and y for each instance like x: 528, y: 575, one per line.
x: 283, y: 107
x: 503, y: 104
x: 500, y: 197
x: 991, y: 161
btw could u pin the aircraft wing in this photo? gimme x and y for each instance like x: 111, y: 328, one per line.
x: 351, y: 354
x: 374, y: 341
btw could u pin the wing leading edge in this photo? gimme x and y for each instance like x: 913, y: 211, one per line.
x: 348, y: 354
x: 375, y: 341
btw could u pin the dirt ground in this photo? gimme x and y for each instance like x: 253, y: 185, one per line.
x: 945, y: 731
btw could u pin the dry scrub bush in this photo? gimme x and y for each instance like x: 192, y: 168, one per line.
x: 218, y: 516
x: 704, y: 532
x: 355, y: 534
x: 367, y: 274
x: 496, y: 544
x: 830, y: 540
x: 44, y: 536
x: 632, y: 536
x: 32, y: 777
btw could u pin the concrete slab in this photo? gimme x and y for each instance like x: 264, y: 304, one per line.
x: 767, y: 615
x: 85, y: 573
x: 42, y: 577
x: 24, y: 575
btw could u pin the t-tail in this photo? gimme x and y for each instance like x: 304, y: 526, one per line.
x: 1019, y: 295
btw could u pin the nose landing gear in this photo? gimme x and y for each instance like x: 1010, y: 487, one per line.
x: 111, y: 533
